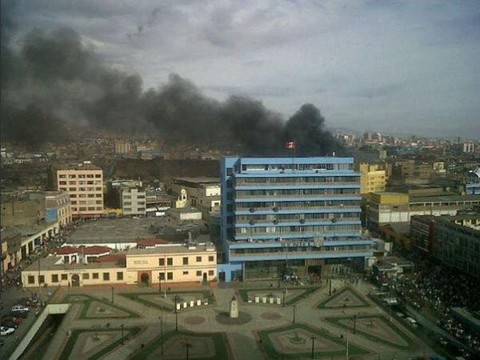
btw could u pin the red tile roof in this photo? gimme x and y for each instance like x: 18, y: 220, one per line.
x: 95, y: 250
x: 89, y: 250
x: 112, y: 258
x: 67, y: 250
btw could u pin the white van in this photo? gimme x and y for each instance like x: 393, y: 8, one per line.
x: 412, y: 321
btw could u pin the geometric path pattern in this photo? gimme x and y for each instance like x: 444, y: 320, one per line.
x: 166, y: 300
x: 376, y: 328
x: 185, y: 345
x: 297, y: 340
x: 345, y: 298
x: 92, y: 343
x: 290, y: 295
x: 95, y: 308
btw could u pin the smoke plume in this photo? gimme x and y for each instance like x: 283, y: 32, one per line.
x: 54, y: 82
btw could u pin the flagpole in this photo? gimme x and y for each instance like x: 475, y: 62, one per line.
x: 294, y: 154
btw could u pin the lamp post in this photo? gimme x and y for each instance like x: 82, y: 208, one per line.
x: 354, y: 323
x: 159, y: 283
x: 284, y: 293
x: 121, y: 327
x: 161, y: 333
x: 313, y: 345
x: 187, y: 346
x: 176, y: 313
x: 294, y: 308
x: 112, y: 294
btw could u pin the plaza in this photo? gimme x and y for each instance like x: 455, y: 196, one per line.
x: 193, y: 322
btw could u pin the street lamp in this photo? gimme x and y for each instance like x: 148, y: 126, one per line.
x: 313, y: 345
x: 284, y: 293
x: 159, y: 283
x: 294, y: 308
x: 187, y: 345
x: 176, y: 313
x: 121, y: 326
x: 161, y: 331
x: 355, y: 323
x: 112, y: 294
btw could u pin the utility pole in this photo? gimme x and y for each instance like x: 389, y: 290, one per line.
x: 313, y: 345
x: 176, y: 313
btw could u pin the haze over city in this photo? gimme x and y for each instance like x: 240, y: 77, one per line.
x: 408, y: 67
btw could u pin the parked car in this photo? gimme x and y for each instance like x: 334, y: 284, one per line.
x: 20, y: 308
x: 20, y: 314
x: 4, y: 331
x: 16, y: 320
x: 7, y: 323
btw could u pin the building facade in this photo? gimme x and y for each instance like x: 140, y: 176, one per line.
x: 372, y: 178
x: 84, y: 185
x: 280, y: 215
x: 448, y: 241
x: 133, y: 201
x: 387, y: 208
x: 158, y: 266
x: 58, y: 207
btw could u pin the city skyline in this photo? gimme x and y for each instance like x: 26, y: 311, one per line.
x: 370, y: 66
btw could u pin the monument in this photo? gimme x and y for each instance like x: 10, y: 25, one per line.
x: 234, y: 308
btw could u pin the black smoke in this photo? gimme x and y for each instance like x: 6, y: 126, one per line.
x: 54, y: 82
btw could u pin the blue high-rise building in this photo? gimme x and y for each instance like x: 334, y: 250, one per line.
x: 284, y: 215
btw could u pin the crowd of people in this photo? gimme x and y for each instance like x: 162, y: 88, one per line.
x: 438, y: 289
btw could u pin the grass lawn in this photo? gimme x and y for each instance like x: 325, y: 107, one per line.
x: 305, y: 292
x: 128, y: 332
x: 274, y: 353
x: 87, y: 301
x: 219, y: 340
x: 143, y: 298
x: 323, y: 304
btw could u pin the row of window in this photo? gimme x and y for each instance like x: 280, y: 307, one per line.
x: 186, y: 272
x: 75, y: 189
x: 80, y: 176
x: 89, y: 208
x: 270, y: 205
x: 55, y: 278
x: 84, y: 202
x: 169, y: 260
x: 297, y: 180
x: 294, y: 192
x: 295, y: 217
x: 298, y: 229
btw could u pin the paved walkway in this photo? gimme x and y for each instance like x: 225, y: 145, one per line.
x: 241, y: 338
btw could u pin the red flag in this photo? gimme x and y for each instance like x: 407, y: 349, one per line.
x: 290, y: 145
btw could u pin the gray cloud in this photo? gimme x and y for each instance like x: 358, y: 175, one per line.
x: 354, y: 59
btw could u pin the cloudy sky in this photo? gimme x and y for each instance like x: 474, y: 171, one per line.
x: 391, y: 66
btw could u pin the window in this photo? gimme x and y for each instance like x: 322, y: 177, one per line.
x: 95, y: 276
x: 169, y: 261
x: 41, y: 279
x: 169, y: 275
x: 199, y: 259
x: 199, y: 273
x: 106, y: 276
x: 85, y: 276
x: 64, y: 277
x: 185, y: 273
x: 31, y: 279
x: 211, y: 258
x: 162, y: 276
x: 161, y: 262
x: 185, y: 261
x: 54, y: 278
x: 119, y: 276
x: 211, y: 272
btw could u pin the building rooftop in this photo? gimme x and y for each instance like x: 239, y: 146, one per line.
x: 132, y: 230
x: 173, y: 248
x: 53, y: 262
